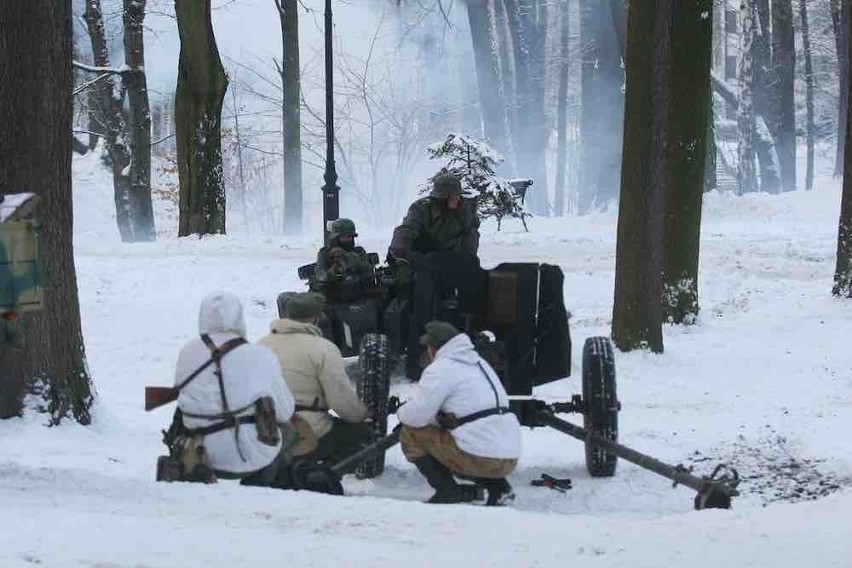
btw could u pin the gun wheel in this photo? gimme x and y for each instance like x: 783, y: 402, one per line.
x: 601, y: 415
x: 373, y: 387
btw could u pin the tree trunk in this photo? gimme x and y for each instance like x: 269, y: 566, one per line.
x: 809, y: 94
x: 839, y: 15
x: 602, y: 106
x: 562, y: 110
x: 492, y: 106
x: 637, y: 307
x: 136, y: 86
x: 711, y: 178
x: 527, y: 21
x: 507, y: 78
x: 292, y: 123
x: 765, y: 98
x: 784, y: 67
x: 36, y: 112
x: 200, y: 93
x: 110, y: 102
x: 689, y: 115
x: 746, y: 177
x: 843, y: 270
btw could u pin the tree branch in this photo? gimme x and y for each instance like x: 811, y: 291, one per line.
x: 104, y: 70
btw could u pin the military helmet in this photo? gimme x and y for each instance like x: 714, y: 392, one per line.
x: 343, y: 227
x: 445, y: 185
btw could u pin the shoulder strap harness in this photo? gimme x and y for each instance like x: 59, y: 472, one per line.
x: 496, y: 409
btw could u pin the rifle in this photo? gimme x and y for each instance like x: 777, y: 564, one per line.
x: 156, y: 397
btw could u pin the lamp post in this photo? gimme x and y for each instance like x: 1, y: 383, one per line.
x: 330, y: 198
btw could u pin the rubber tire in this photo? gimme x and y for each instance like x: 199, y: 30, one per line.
x: 374, y: 359
x: 599, y: 396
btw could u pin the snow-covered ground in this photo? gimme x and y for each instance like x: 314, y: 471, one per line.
x: 763, y: 382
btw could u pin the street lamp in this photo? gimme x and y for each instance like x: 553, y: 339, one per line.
x: 330, y: 191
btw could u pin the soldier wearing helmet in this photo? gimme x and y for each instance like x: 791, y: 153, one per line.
x: 443, y: 221
x: 340, y: 264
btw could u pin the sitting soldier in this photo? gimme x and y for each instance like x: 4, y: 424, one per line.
x: 459, y: 423
x: 342, y: 266
x: 226, y: 386
x: 314, y: 372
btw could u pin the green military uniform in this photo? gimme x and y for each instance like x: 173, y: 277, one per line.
x: 20, y: 277
x: 341, y: 264
x: 431, y: 226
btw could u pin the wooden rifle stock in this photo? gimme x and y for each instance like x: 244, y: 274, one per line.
x: 156, y: 397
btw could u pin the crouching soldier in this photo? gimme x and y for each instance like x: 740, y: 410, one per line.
x: 314, y: 371
x: 233, y: 404
x: 459, y: 423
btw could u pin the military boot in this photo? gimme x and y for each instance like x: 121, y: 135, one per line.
x: 442, y: 481
x: 499, y: 491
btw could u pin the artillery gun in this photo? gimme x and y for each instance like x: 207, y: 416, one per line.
x: 516, y: 317
x: 20, y: 267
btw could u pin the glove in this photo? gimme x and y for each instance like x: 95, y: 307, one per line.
x: 394, y: 404
x: 447, y: 420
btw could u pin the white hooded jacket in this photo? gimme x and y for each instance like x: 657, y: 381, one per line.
x: 459, y: 381
x: 249, y: 372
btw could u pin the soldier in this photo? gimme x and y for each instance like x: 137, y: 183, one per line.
x: 459, y: 423
x: 443, y: 221
x: 341, y: 265
x: 314, y: 372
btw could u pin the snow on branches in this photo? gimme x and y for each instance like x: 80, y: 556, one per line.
x: 474, y: 162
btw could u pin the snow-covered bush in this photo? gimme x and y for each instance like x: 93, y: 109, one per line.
x: 474, y: 162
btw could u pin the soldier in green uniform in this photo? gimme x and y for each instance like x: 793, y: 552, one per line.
x: 341, y: 265
x: 443, y: 221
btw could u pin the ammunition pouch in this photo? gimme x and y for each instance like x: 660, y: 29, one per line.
x: 268, y: 432
x: 187, y: 459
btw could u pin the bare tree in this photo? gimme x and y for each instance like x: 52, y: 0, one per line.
x: 637, y: 307
x: 135, y: 84
x: 562, y: 110
x: 746, y: 177
x: 291, y: 94
x: 200, y: 93
x: 809, y: 94
x: 35, y: 142
x: 784, y: 67
x: 843, y: 269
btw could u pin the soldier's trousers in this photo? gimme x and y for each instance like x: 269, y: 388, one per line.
x: 440, y: 444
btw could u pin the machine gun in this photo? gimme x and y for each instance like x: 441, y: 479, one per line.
x: 20, y: 266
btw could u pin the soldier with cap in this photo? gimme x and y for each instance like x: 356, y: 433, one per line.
x: 458, y: 423
x: 314, y: 372
x: 443, y: 221
x: 341, y: 265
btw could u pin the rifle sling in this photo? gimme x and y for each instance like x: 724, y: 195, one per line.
x: 220, y: 352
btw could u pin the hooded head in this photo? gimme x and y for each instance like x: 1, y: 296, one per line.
x: 221, y: 312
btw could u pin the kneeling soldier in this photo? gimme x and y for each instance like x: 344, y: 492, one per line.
x: 314, y: 372
x: 459, y: 423
x: 233, y: 400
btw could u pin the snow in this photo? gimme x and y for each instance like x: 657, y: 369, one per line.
x: 763, y: 381
x: 11, y: 202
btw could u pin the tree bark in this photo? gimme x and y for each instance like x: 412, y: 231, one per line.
x: 746, y: 177
x: 110, y: 102
x: 637, y: 306
x: 689, y: 115
x: 784, y: 68
x: 292, y: 123
x: 491, y: 103
x: 507, y: 78
x: 200, y: 93
x: 35, y: 143
x: 135, y: 85
x: 809, y: 94
x: 562, y: 110
x: 843, y: 269
x: 602, y: 106
x: 765, y: 97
